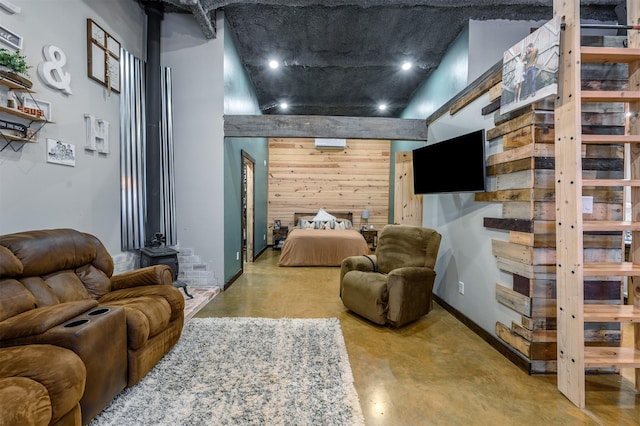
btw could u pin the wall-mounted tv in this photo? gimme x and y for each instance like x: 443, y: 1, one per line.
x: 453, y: 165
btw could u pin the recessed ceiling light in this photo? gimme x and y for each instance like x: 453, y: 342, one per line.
x: 406, y: 66
x: 382, y: 107
x: 273, y: 64
x: 284, y: 105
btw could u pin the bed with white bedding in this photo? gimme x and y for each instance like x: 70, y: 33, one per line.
x: 318, y: 242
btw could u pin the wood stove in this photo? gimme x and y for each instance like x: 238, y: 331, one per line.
x: 163, y: 255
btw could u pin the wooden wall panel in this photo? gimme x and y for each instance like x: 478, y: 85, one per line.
x: 407, y: 205
x: 524, y: 180
x: 305, y: 179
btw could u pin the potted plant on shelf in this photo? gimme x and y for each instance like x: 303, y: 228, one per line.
x: 12, y: 65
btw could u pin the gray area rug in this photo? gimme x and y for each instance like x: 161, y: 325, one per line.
x: 246, y: 371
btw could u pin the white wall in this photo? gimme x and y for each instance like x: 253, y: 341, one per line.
x: 198, y: 105
x: 488, y: 41
x: 465, y: 251
x: 35, y: 194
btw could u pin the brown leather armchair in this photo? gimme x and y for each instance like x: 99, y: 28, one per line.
x: 394, y: 285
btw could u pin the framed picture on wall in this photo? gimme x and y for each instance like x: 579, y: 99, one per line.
x: 277, y: 224
x: 530, y: 68
x: 59, y: 152
x: 37, y: 104
x: 103, y: 57
x: 10, y: 38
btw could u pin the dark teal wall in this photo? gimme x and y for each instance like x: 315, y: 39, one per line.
x: 239, y: 98
x: 443, y: 84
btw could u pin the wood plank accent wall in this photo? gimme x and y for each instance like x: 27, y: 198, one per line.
x: 523, y: 181
x: 303, y: 178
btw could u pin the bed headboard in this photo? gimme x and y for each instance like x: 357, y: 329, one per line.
x: 309, y: 216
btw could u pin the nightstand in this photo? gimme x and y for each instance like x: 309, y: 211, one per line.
x: 279, y: 235
x: 371, y: 237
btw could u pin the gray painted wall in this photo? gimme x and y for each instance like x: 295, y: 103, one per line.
x: 465, y: 251
x: 442, y: 85
x: 198, y: 105
x: 35, y: 194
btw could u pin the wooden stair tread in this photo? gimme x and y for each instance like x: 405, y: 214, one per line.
x: 610, y: 139
x: 610, y: 182
x: 606, y: 356
x: 616, y: 269
x: 610, y: 96
x: 610, y: 225
x: 611, y: 313
x: 619, y: 55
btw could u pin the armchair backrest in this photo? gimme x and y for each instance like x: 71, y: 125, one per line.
x: 406, y: 245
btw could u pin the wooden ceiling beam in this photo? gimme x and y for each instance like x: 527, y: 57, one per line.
x: 315, y: 126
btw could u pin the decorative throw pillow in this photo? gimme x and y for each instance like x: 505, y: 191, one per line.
x: 305, y: 224
x: 323, y: 216
x: 345, y: 224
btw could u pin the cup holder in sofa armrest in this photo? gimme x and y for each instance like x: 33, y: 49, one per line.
x: 99, y: 311
x: 76, y: 323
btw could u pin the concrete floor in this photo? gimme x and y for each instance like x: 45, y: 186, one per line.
x: 434, y: 371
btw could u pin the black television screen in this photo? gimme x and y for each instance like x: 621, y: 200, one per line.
x: 453, y: 165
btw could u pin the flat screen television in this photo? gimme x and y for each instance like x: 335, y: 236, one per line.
x: 454, y: 165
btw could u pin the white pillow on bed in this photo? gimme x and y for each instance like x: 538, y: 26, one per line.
x: 323, y: 224
x: 323, y: 216
x: 306, y: 224
x: 341, y: 225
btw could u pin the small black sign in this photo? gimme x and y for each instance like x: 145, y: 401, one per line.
x: 9, y: 125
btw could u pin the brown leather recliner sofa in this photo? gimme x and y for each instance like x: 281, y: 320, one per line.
x: 57, y: 287
x: 40, y: 385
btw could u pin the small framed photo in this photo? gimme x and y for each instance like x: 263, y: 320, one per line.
x: 10, y: 38
x: 276, y: 224
x: 44, y: 106
x: 103, y: 57
x: 59, y: 152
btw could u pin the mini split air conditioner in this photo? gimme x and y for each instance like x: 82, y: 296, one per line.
x: 324, y: 143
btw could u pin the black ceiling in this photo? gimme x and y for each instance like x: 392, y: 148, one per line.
x: 341, y: 58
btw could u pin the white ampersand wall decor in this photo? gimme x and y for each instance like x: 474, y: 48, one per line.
x: 51, y: 72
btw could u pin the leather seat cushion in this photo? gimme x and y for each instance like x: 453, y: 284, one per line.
x: 15, y: 299
x: 365, y: 293
x: 66, y: 285
x: 94, y: 280
x: 146, y: 317
x: 168, y: 292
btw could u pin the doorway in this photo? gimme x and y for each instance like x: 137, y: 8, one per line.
x: 248, y: 212
x: 407, y: 206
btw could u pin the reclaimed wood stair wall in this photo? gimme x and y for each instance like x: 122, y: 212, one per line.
x: 575, y: 355
x: 525, y: 185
